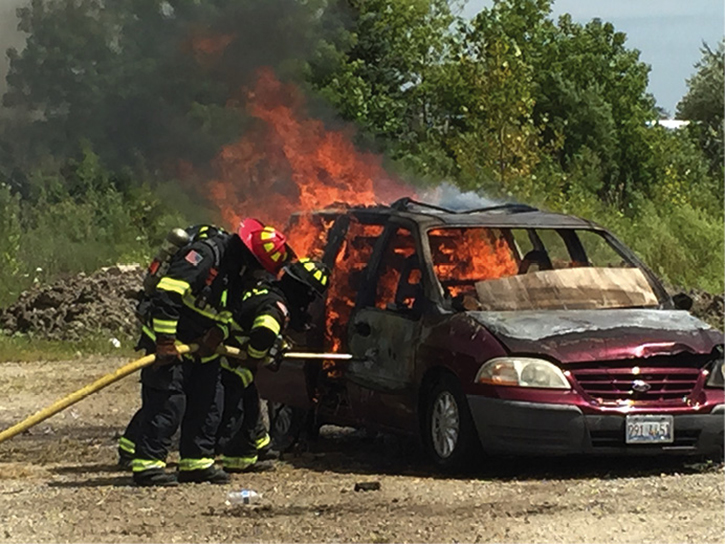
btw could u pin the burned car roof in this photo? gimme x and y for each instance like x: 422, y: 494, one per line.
x: 431, y: 216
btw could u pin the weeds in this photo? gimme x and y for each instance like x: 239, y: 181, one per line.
x: 26, y: 348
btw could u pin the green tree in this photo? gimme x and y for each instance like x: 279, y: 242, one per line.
x: 703, y: 105
x: 591, y: 96
x: 378, y: 68
x: 147, y: 81
x: 495, y: 140
x: 682, y: 173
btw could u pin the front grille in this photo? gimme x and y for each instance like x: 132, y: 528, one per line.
x: 655, y: 379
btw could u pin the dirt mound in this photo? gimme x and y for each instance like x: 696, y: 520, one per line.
x: 73, y: 308
x: 707, y: 306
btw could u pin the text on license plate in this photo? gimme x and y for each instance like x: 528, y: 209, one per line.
x: 649, y: 429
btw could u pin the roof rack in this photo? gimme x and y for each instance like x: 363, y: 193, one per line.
x: 513, y: 208
x: 405, y: 203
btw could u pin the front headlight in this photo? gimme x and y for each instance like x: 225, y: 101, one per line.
x: 716, y: 373
x: 522, y: 372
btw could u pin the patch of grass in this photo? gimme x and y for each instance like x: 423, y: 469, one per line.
x: 26, y: 348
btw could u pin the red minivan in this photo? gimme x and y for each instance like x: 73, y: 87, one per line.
x: 503, y: 330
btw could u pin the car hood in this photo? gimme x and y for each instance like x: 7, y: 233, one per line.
x: 600, y: 335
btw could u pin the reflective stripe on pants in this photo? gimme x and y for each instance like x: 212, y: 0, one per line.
x: 195, y: 464
x: 238, y: 463
x: 140, y: 465
x: 126, y: 445
x: 263, y: 441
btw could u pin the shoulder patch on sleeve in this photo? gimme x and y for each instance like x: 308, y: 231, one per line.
x: 194, y: 257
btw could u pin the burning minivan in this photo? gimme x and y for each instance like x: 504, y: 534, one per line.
x: 503, y: 330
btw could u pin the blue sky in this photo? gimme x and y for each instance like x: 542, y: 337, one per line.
x: 669, y: 34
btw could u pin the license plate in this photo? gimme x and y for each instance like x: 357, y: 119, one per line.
x: 649, y: 429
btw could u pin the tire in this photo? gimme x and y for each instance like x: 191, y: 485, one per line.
x: 449, y: 435
x: 286, y: 424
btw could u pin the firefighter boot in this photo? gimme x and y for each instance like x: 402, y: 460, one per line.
x: 262, y: 466
x: 268, y: 454
x: 154, y: 477
x: 210, y: 474
x: 125, y: 460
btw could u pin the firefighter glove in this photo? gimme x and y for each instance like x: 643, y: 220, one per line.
x: 211, y: 340
x: 166, y: 352
x: 276, y: 354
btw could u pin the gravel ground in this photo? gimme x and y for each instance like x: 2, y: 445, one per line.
x: 58, y: 483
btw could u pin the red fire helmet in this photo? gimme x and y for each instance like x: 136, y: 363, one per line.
x: 267, y: 244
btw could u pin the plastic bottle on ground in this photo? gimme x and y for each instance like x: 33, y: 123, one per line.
x: 245, y: 496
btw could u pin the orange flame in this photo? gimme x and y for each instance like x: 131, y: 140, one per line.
x: 350, y: 262
x: 289, y: 163
x: 462, y: 257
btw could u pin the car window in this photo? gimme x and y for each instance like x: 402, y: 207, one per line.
x: 598, y: 251
x: 464, y: 256
x: 399, y: 273
x: 530, y: 269
x: 522, y: 242
x: 555, y: 248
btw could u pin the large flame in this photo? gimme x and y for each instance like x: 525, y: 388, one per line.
x: 289, y: 163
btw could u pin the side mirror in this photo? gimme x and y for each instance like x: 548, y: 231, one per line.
x: 682, y: 301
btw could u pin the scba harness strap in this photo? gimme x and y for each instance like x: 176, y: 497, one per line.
x: 207, y: 235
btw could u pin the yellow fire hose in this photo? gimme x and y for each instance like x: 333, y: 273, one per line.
x: 124, y: 371
x: 89, y: 389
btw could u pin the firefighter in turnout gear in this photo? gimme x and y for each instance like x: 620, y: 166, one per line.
x: 189, y: 305
x: 259, y: 323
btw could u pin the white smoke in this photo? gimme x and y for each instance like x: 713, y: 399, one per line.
x: 451, y: 197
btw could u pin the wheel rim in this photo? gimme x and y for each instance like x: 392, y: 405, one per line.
x: 445, y: 425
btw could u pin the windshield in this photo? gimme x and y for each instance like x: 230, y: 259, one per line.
x: 532, y: 269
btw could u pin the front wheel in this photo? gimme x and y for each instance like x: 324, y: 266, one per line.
x: 449, y: 433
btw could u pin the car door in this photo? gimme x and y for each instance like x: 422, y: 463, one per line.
x: 384, y: 332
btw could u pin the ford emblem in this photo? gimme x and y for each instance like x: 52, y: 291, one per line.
x: 641, y: 386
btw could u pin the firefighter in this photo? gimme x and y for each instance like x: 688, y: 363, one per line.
x: 260, y: 321
x: 189, y: 306
x: 250, y: 231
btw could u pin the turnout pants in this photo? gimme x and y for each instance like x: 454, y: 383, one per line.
x: 183, y: 393
x: 241, y: 432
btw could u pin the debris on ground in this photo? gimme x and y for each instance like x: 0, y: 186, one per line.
x: 72, y: 308
x: 367, y: 486
x: 708, y: 307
